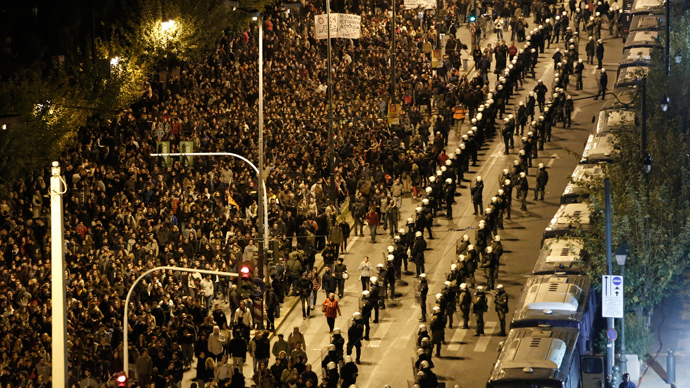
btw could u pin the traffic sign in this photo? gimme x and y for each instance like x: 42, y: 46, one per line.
x: 259, y: 287
x: 473, y: 28
x: 612, y: 334
x: 612, y: 296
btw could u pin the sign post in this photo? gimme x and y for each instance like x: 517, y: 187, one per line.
x: 473, y: 30
x: 612, y: 296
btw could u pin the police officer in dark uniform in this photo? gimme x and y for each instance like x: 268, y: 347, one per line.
x: 374, y: 291
x: 465, y: 302
x: 423, y: 292
x: 568, y: 108
x: 368, y: 304
x: 354, y: 336
x: 501, y: 302
x: 449, y: 191
x: 471, y: 263
x: 437, y: 326
x: 542, y: 180
x: 449, y: 300
x: 479, y: 307
x: 417, y: 253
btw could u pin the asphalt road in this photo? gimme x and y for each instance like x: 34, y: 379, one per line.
x: 388, y: 356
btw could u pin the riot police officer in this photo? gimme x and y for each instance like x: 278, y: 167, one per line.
x: 354, y: 336
x: 479, y: 307
x: 501, y: 302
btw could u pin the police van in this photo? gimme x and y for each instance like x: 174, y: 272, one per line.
x: 557, y: 301
x: 636, y: 56
x: 576, y: 190
x: 642, y: 39
x: 562, y: 255
x: 641, y: 22
x: 646, y: 7
x: 630, y: 75
x: 568, y: 219
x: 546, y: 358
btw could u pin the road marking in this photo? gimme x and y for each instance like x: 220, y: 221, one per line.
x: 380, y: 332
x: 575, y: 112
x: 458, y: 337
x: 483, y: 341
x: 553, y: 158
x: 406, y: 333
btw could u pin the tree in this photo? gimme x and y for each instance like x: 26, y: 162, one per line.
x: 650, y: 211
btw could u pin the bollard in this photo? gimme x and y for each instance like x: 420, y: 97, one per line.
x: 671, y: 368
x: 616, y: 377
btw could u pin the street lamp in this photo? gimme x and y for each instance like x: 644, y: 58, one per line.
x: 665, y: 102
x: 621, y: 257
x: 167, y: 26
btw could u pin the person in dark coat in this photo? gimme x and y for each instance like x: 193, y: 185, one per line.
x: 349, y: 372
x: 476, y: 192
x: 542, y: 179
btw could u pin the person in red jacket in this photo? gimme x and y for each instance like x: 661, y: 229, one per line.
x: 331, y: 309
x: 373, y: 221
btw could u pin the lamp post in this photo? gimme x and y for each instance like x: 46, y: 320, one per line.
x: 610, y: 344
x: 668, y: 38
x: 331, y: 162
x: 263, y: 210
x: 621, y: 257
x: 263, y: 218
x: 57, y: 273
x: 643, y: 124
x: 125, y: 324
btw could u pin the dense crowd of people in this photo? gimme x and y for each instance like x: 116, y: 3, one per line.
x: 127, y: 212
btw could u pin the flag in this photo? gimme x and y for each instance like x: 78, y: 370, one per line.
x: 232, y: 202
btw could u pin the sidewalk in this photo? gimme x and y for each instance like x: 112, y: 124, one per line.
x: 671, y: 326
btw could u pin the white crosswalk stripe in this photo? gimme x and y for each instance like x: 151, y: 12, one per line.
x: 457, y: 339
x: 377, y: 336
x: 483, y: 342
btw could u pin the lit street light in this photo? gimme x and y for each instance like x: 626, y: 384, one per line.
x: 167, y: 26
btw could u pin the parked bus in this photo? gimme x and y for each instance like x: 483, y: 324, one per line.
x: 562, y: 255
x: 551, y: 357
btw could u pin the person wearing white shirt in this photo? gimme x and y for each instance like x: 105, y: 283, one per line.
x: 215, y: 343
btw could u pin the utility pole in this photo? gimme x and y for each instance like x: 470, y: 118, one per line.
x: 643, y: 124
x: 610, y: 345
x: 125, y: 318
x: 263, y: 210
x: 331, y: 162
x: 668, y: 38
x: 57, y: 273
x: 393, y: 54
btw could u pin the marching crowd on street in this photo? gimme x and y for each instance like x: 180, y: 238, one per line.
x: 127, y: 212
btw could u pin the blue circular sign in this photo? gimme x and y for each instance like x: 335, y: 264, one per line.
x: 611, y: 334
x: 617, y: 280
